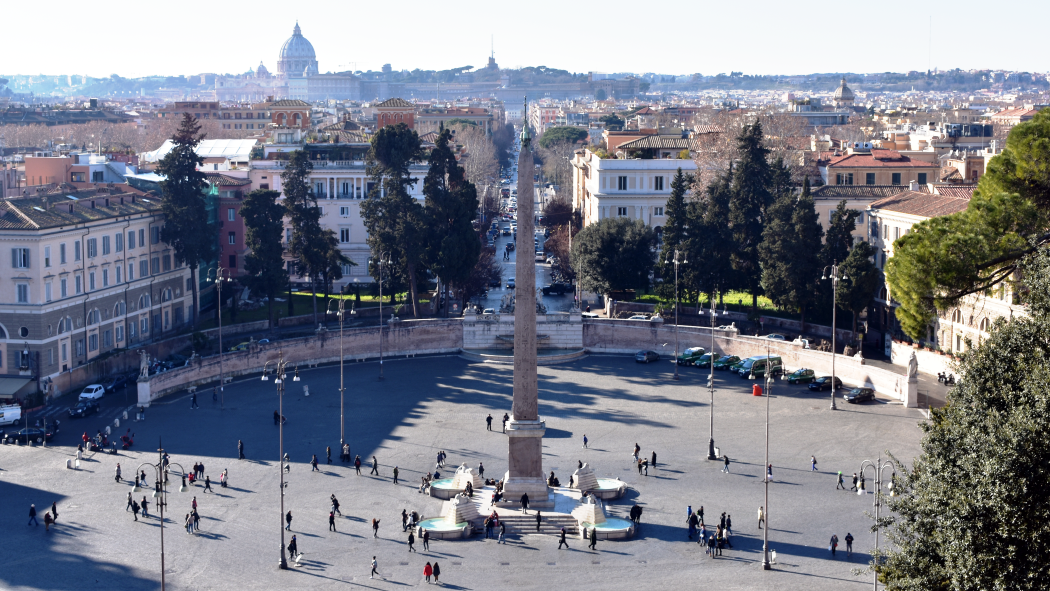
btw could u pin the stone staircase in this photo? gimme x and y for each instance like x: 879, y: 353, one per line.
x: 520, y: 524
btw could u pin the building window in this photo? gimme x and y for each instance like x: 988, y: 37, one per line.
x: 93, y: 342
x: 166, y: 260
x: 105, y: 277
x: 20, y: 258
x: 105, y: 245
x: 658, y: 183
x: 118, y: 242
x: 143, y: 268
x: 155, y: 265
x: 91, y: 281
x: 154, y: 235
x: 922, y: 178
x: 23, y: 293
x: 896, y: 179
x: 658, y: 211
x: 120, y: 333
x: 621, y: 211
x: 92, y: 247
x: 231, y: 214
x: 142, y: 237
x: 869, y: 178
x: 144, y: 326
x: 118, y: 268
x: 65, y: 353
x: 47, y: 291
x: 131, y: 271
x: 621, y: 183
x: 47, y: 256
x: 233, y: 261
x: 344, y: 235
x: 63, y: 288
x: 344, y: 212
x: 844, y: 178
x: 287, y: 235
x: 233, y: 237
x: 80, y: 347
x: 131, y: 240
x: 62, y: 253
x: 76, y: 250
x: 80, y: 288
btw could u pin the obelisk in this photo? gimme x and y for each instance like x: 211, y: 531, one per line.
x: 525, y: 428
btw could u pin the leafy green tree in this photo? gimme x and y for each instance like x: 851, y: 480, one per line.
x: 612, y: 121
x: 332, y: 266
x: 187, y: 228
x: 395, y: 221
x: 751, y: 197
x: 839, y: 237
x: 264, y: 264
x: 710, y: 242
x: 565, y: 134
x: 790, y: 252
x: 614, y: 254
x: 675, y: 232
x: 307, y: 244
x: 970, y: 514
x: 453, y: 246
x: 862, y: 280
x: 946, y: 258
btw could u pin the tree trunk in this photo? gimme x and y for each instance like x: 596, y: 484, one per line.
x: 802, y: 322
x: 754, y: 299
x: 447, y: 302
x: 325, y: 300
x: 196, y: 307
x: 853, y: 333
x: 291, y: 306
x: 313, y: 297
x: 411, y: 268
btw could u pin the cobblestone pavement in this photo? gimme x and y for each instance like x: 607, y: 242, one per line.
x: 430, y: 404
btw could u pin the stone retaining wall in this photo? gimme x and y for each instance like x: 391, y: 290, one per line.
x: 929, y: 362
x: 496, y: 331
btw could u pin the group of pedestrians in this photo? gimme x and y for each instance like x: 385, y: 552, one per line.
x: 50, y: 517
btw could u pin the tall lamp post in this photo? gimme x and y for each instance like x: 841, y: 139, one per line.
x: 765, y: 475
x: 711, y: 384
x: 280, y: 377
x: 342, y: 435
x: 221, y: 275
x: 160, y: 471
x: 384, y: 259
x: 835, y: 278
x: 878, y: 467
x: 674, y: 260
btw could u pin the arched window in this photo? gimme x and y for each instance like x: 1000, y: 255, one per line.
x: 94, y: 317
x: 144, y: 301
x: 120, y: 309
x: 280, y: 119
x: 984, y: 324
x: 957, y: 316
x: 296, y: 119
x: 167, y: 295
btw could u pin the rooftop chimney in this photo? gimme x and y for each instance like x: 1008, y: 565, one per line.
x: 913, y: 185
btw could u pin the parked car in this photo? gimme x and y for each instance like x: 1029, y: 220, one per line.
x: 801, y: 376
x: 639, y: 317
x: 489, y: 311
x: 823, y: 383
x: 646, y: 356
x: 557, y: 289
x: 92, y: 392
x: 510, y: 283
x: 494, y: 282
x: 690, y: 355
x: 859, y: 395
x: 726, y: 362
x: 83, y: 409
x: 756, y: 366
x: 115, y: 383
x: 31, y: 434
x: 705, y: 360
x: 775, y: 337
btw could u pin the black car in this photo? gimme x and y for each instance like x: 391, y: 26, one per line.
x: 859, y: 395
x: 646, y: 356
x: 116, y: 383
x: 557, y: 289
x: 83, y: 409
x: 35, y: 434
x: 823, y: 383
x: 495, y: 282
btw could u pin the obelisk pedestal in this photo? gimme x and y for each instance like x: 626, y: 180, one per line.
x: 525, y: 429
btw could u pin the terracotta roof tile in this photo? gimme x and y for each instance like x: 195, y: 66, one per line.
x: 396, y: 102
x: 879, y: 159
x: 222, y: 180
x: 927, y: 205
x: 839, y: 192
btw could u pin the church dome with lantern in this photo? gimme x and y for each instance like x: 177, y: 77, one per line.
x: 297, y: 56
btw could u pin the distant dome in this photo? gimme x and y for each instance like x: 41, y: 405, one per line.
x: 843, y: 93
x: 262, y: 72
x: 297, y: 56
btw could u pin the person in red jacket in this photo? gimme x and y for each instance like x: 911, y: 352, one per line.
x: 427, y: 571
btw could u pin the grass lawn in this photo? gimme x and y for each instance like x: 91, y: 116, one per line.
x: 731, y: 300
x: 303, y: 304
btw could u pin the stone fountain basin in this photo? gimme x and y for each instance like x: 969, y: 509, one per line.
x: 609, y: 488
x: 614, y: 528
x: 443, y: 489
x: 443, y: 530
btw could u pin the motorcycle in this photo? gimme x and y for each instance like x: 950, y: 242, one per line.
x: 950, y: 380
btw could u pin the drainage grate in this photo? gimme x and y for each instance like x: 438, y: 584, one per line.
x: 504, y: 564
x: 552, y: 564
x: 596, y: 562
x: 457, y: 564
x: 403, y: 563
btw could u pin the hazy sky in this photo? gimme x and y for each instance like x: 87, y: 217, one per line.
x: 670, y: 36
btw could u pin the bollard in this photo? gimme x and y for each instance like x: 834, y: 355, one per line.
x: 77, y: 464
x: 718, y: 453
x: 69, y: 463
x: 125, y: 415
x: 116, y: 423
x: 306, y: 390
x: 80, y: 454
x: 108, y: 432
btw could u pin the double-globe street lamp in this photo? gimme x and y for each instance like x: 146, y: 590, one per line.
x: 711, y: 383
x: 280, y: 377
x: 220, y: 275
x: 674, y: 260
x: 878, y: 467
x: 341, y: 314
x: 160, y: 471
x: 765, y: 475
x: 835, y: 278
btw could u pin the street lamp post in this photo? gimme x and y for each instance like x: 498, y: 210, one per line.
x: 219, y: 279
x: 711, y: 385
x: 835, y: 278
x: 342, y: 434
x: 280, y: 377
x: 878, y: 467
x: 383, y: 259
x: 676, y: 262
x: 765, y: 475
x: 160, y: 471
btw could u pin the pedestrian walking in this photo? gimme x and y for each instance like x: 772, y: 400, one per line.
x: 584, y: 441
x: 288, y: 521
x: 117, y: 477
x: 331, y: 521
x: 437, y: 572
x: 193, y: 401
x: 725, y: 466
x: 692, y: 521
x: 488, y: 422
x: 223, y: 478
x: 502, y: 533
x: 729, y: 526
x: 711, y: 546
x: 854, y: 487
x: 428, y: 571
x: 145, y: 507
x: 48, y: 521
x: 426, y: 539
x: 594, y: 538
x: 328, y: 453
x: 639, y: 467
x: 849, y: 544
x: 375, y: 467
x: 506, y: 417
x: 562, y: 540
x: 293, y: 548
x: 411, y: 542
x: 404, y: 520
x: 761, y: 517
x: 395, y: 474
x: 700, y: 514
x: 240, y: 449
x: 481, y: 470
x: 335, y: 505
x: 722, y: 521
x: 375, y: 528
x: 375, y: 568
x: 653, y: 462
x: 130, y: 502
x: 196, y: 517
x: 525, y: 503
x: 645, y: 467
x: 135, y: 510
x: 840, y: 484
x: 813, y: 463
x: 769, y: 472
x: 539, y: 520
x: 189, y: 524
x: 834, y: 544
x: 32, y: 516
x: 313, y: 463
x: 637, y: 450
x: 207, y: 484
x: 193, y: 503
x: 357, y: 465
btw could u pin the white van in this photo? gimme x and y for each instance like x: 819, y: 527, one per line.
x: 10, y: 414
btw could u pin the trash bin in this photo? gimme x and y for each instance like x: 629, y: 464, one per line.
x: 756, y: 390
